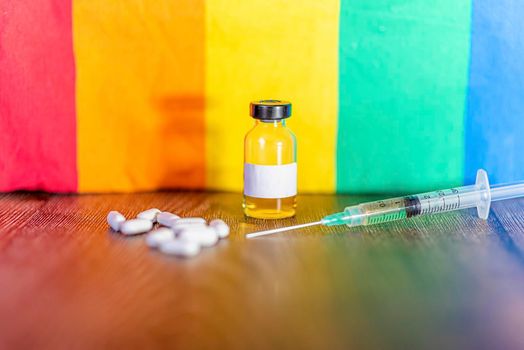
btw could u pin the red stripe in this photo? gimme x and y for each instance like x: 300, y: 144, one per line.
x: 37, y: 96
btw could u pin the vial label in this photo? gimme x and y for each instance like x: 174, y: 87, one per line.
x: 270, y: 181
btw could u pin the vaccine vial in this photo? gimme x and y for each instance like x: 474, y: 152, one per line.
x: 270, y: 162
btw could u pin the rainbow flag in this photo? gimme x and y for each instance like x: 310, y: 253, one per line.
x: 388, y: 95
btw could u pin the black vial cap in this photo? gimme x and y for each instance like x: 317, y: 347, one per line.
x: 270, y: 109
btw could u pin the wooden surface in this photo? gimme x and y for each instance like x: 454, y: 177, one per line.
x: 447, y: 281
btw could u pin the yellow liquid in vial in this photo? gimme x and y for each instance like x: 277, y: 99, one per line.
x: 269, y: 143
x: 263, y: 208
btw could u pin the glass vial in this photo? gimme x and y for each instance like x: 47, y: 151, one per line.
x: 270, y: 162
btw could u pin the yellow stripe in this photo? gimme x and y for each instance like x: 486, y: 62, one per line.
x: 283, y: 49
x: 140, y: 94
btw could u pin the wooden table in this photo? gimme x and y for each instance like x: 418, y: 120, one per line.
x: 447, y: 281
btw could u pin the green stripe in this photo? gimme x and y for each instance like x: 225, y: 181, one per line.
x: 403, y: 76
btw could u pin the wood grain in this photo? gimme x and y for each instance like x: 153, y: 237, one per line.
x: 445, y: 281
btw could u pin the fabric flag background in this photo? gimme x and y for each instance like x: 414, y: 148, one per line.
x: 388, y: 95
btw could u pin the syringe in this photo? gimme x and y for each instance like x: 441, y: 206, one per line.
x: 479, y: 195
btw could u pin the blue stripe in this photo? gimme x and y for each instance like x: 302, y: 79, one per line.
x: 495, y: 104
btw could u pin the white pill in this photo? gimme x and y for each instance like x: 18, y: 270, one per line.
x: 205, y: 236
x: 166, y: 218
x: 220, y: 227
x: 191, y: 221
x: 149, y: 214
x: 159, y: 236
x: 115, y: 219
x: 180, y: 248
x: 135, y: 226
x: 178, y: 227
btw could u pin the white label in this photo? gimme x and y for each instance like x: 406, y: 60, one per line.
x: 270, y: 181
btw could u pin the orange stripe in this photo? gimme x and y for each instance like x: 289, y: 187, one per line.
x: 140, y: 94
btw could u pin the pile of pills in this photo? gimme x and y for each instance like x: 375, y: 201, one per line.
x: 183, y: 237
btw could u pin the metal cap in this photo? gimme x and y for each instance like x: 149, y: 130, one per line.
x: 270, y: 109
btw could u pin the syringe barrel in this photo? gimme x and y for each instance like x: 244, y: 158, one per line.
x: 407, y: 207
x: 477, y: 196
x: 374, y: 212
x: 507, y: 191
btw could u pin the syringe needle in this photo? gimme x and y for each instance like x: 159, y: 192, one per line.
x: 282, y: 229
